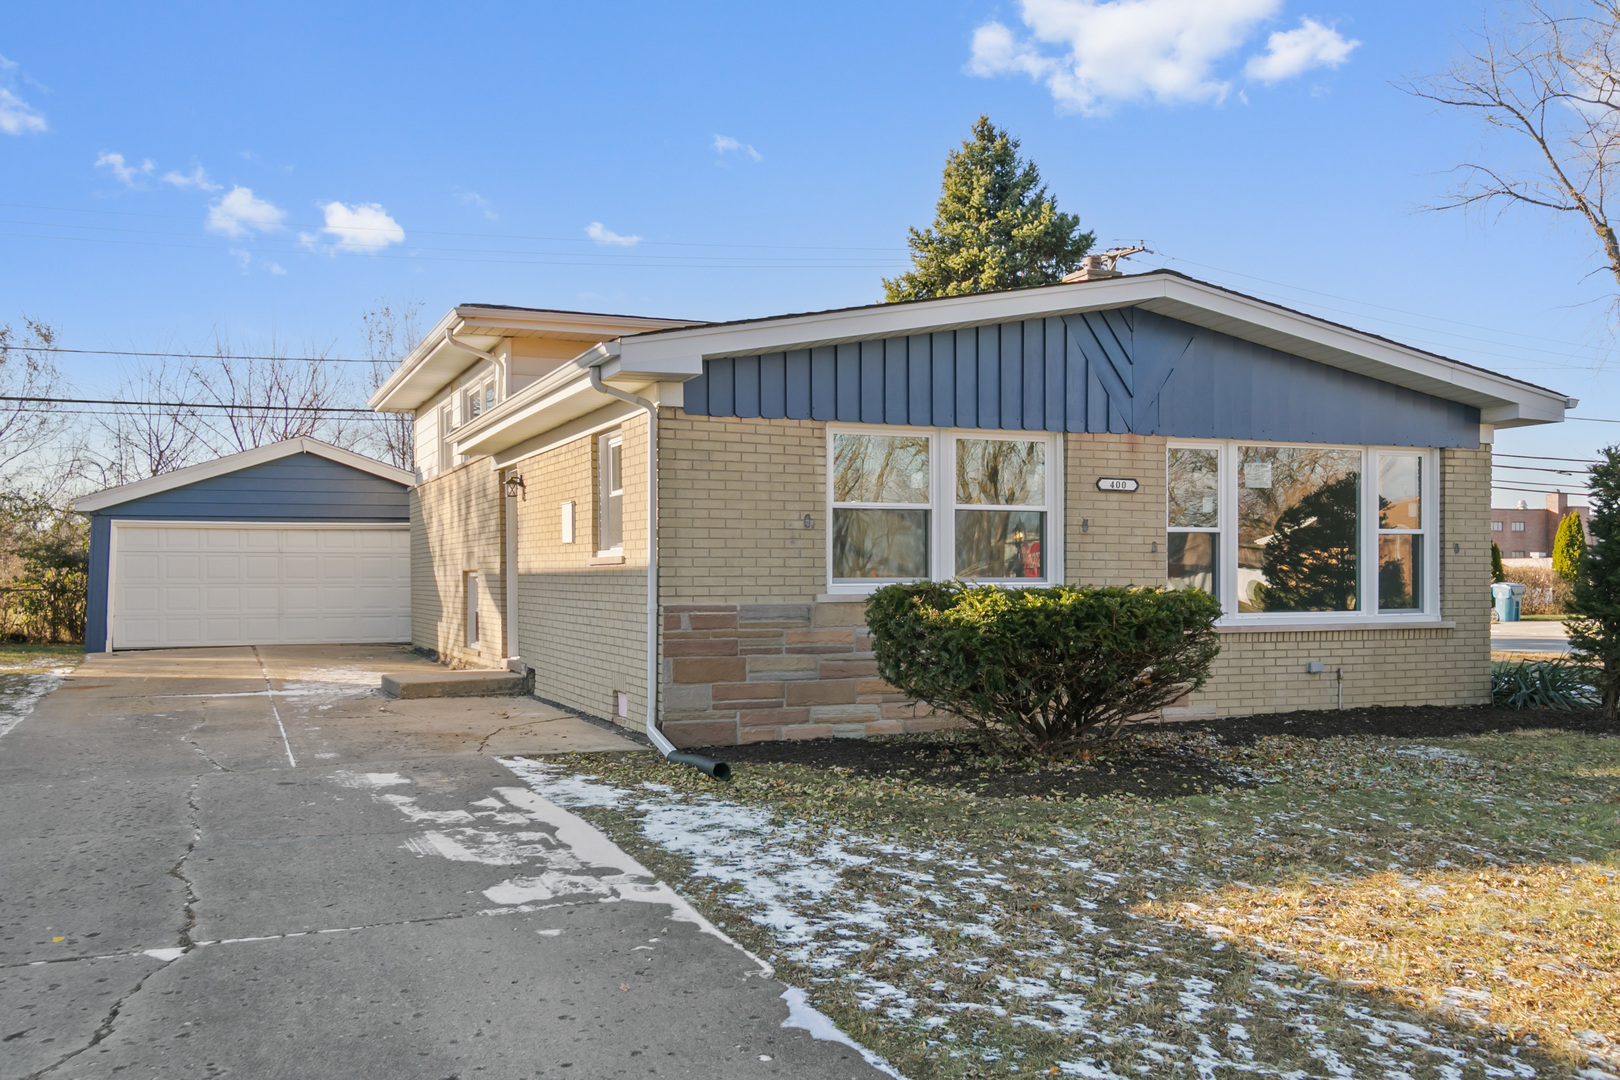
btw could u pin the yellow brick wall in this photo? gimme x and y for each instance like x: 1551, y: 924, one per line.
x: 733, y: 494
x: 582, y: 623
x: 1108, y: 536
x: 456, y: 527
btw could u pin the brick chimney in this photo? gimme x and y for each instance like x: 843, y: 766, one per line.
x: 1558, y: 504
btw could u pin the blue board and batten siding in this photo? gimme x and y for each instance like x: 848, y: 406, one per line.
x: 1125, y: 371
x: 296, y: 488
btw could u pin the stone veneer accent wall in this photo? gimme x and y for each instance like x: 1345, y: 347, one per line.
x: 751, y: 652
x: 741, y: 673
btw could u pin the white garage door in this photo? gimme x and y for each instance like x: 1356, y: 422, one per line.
x: 184, y: 584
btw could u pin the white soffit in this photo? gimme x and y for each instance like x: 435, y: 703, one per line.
x: 140, y: 489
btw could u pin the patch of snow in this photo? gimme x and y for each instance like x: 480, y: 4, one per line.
x: 165, y: 955
x: 20, y: 693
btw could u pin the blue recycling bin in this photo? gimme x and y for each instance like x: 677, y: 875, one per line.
x: 1506, y: 597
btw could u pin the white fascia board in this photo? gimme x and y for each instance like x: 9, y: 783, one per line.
x: 140, y: 489
x: 439, y: 359
x: 679, y: 354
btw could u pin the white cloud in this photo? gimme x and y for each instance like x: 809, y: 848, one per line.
x: 472, y: 198
x: 17, y: 117
x: 122, y: 169
x: 725, y: 144
x: 239, y: 213
x: 363, y: 228
x: 276, y: 268
x: 1093, y: 54
x: 197, y: 178
x: 603, y: 235
x: 1290, y: 53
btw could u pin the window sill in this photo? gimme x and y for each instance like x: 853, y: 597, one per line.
x: 607, y: 560
x: 1326, y: 625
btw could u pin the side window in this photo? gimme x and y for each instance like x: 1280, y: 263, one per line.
x: 610, y: 498
x: 1193, y: 544
x: 470, y: 606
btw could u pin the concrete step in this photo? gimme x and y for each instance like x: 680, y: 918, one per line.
x: 475, y: 683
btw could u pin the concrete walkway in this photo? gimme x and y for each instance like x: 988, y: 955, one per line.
x: 1538, y: 636
x: 229, y: 862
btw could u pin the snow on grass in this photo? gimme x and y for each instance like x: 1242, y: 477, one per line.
x: 970, y: 936
x: 20, y: 693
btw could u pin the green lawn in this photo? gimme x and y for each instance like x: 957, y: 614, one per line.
x: 967, y: 936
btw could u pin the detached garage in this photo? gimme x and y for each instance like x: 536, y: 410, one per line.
x: 297, y: 543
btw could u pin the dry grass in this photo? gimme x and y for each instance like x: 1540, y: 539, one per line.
x: 1529, y: 950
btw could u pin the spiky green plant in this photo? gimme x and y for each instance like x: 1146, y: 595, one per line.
x: 1543, y: 684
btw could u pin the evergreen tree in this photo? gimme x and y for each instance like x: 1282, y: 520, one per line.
x: 1594, y: 631
x: 995, y: 226
x: 1569, y: 547
x: 1498, y: 571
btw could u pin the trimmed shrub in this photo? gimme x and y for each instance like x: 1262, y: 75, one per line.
x: 1569, y: 547
x: 1042, y: 669
x: 1542, y: 684
x: 1498, y: 574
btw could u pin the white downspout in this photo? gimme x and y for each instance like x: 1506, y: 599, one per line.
x: 663, y: 744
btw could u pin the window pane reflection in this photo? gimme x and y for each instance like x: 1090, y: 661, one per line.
x: 1194, y: 476
x: 999, y: 472
x: 1000, y: 544
x: 1298, y: 512
x: 883, y: 544
x: 880, y: 468
x: 1400, y: 572
x: 1190, y: 563
x: 1400, y: 481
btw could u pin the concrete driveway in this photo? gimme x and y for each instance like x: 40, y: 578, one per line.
x: 238, y: 862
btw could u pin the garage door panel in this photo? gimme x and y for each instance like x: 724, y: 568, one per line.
x: 184, y: 585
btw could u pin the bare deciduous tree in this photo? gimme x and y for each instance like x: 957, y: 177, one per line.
x: 392, y: 331
x: 254, y: 400
x: 1550, y: 81
x: 143, y: 440
x: 34, y: 452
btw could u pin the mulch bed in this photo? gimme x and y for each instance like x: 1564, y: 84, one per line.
x: 958, y: 761
x: 1407, y: 722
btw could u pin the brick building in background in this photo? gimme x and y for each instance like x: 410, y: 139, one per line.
x: 1527, y: 532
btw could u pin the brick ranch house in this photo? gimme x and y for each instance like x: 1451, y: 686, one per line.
x: 1330, y: 486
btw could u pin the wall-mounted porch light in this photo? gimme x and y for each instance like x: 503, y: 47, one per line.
x: 514, y: 486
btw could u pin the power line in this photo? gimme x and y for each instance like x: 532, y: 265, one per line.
x: 1536, y: 468
x: 1592, y: 419
x: 1543, y: 457
x: 226, y: 406
x: 478, y: 235
x: 201, y: 356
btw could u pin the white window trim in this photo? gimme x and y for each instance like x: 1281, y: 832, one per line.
x: 942, y: 504
x: 604, y: 443
x: 1368, y: 614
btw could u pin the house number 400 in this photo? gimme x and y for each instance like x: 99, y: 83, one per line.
x: 1114, y: 483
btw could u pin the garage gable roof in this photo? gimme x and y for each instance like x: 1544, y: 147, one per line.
x: 140, y: 489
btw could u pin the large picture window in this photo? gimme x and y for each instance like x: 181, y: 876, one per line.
x: 909, y: 504
x: 1302, y: 532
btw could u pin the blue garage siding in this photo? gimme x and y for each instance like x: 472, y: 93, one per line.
x: 296, y: 488
x: 1121, y: 371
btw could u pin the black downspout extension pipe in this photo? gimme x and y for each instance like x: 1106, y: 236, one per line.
x: 706, y: 765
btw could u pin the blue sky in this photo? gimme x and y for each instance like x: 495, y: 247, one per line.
x: 728, y: 160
